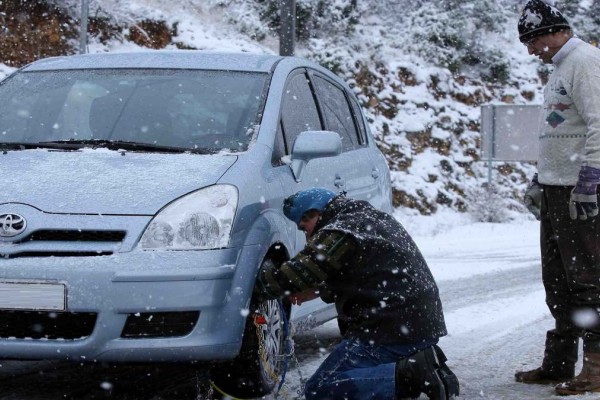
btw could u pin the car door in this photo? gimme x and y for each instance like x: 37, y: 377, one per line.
x: 299, y: 113
x: 311, y: 101
x: 381, y: 194
x: 356, y: 170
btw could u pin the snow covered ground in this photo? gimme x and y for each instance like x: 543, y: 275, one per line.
x: 490, y: 282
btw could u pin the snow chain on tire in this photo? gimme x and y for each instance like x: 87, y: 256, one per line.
x: 291, y: 355
x: 262, y: 352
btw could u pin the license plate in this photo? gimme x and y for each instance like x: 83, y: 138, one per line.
x: 32, y: 296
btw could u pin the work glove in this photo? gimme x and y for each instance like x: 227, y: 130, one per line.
x: 533, y: 197
x: 584, y: 200
x: 262, y: 290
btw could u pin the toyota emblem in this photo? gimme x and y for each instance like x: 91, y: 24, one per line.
x: 11, y: 225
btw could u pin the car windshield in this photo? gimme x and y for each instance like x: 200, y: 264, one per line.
x: 190, y: 110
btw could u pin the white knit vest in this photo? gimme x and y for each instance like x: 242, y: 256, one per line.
x: 571, y: 128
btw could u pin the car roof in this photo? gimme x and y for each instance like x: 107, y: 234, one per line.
x: 175, y: 59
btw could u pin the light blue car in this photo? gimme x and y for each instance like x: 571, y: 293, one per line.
x: 141, y: 192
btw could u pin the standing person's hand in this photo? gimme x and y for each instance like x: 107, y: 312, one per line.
x: 533, y: 197
x: 584, y: 199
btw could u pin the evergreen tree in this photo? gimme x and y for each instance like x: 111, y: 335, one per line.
x: 594, y: 14
x: 452, y: 35
x: 314, y: 18
x: 570, y: 8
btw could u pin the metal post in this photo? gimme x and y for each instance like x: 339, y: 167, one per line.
x: 492, y: 146
x: 287, y: 34
x: 83, y: 27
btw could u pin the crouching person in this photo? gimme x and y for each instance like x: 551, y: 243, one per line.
x: 387, y: 300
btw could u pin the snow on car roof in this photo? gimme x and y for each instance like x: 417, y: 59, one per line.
x: 172, y: 59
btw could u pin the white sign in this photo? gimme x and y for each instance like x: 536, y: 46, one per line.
x: 510, y: 132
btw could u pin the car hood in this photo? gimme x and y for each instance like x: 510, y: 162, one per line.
x: 104, y: 181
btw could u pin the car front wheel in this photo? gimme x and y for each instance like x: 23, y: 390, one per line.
x: 257, y: 369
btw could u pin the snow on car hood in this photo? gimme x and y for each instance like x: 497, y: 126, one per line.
x: 104, y: 181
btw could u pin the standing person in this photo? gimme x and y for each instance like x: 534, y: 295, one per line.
x: 364, y: 261
x: 565, y: 191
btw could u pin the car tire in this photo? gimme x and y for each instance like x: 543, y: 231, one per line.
x: 254, y: 372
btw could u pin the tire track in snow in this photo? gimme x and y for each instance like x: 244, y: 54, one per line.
x: 497, y: 323
x: 458, y: 293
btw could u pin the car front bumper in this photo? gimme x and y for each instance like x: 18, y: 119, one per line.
x: 216, y: 283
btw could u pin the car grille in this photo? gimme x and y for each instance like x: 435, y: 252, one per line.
x: 65, y: 243
x: 75, y: 236
x: 47, y: 325
x: 56, y: 254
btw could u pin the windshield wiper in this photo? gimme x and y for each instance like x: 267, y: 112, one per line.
x: 33, y: 145
x: 124, y: 145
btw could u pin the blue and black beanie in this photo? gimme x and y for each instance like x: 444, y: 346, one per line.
x: 297, y: 204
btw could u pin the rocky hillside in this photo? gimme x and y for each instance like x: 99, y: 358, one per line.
x: 421, y: 69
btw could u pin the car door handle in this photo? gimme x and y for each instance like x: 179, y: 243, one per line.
x: 339, y: 182
x: 375, y: 173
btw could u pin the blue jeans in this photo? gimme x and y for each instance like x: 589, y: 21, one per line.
x: 359, y: 370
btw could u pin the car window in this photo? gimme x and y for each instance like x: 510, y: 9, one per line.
x: 299, y: 111
x: 362, y: 136
x: 181, y: 108
x: 336, y: 111
x: 279, y: 147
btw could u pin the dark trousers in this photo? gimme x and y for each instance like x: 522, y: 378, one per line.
x: 571, y: 276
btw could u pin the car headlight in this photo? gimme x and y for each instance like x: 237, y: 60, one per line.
x: 199, y: 221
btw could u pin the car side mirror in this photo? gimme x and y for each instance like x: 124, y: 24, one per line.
x: 313, y: 144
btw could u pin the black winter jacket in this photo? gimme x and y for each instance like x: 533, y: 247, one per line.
x: 369, y: 265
